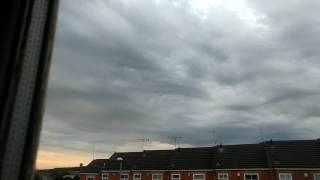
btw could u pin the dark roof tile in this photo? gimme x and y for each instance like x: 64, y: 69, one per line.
x: 293, y: 154
x: 275, y: 154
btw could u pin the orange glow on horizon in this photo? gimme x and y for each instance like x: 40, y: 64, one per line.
x: 48, y: 159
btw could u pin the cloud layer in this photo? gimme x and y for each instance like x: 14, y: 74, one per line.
x: 151, y: 69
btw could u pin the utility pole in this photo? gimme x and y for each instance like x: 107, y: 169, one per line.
x: 143, y: 140
x: 174, y: 138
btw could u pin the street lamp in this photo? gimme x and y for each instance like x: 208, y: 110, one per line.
x: 120, y: 159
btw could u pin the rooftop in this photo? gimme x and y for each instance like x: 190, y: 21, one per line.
x: 269, y: 154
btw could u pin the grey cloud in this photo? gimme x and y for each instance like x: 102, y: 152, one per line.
x: 294, y: 23
x: 126, y: 70
x: 291, y: 95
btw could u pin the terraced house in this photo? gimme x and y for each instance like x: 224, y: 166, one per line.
x: 271, y: 160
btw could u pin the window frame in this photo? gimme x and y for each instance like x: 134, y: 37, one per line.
x: 93, y: 177
x: 124, y: 174
x: 316, y: 174
x: 157, y: 174
x: 244, y: 175
x: 105, y: 174
x: 290, y: 174
x: 175, y: 174
x: 24, y: 21
x: 195, y: 174
x: 134, y: 174
x: 223, y: 173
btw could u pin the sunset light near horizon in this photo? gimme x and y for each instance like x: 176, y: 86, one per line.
x: 209, y: 72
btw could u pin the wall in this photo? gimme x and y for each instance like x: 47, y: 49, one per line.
x: 239, y: 174
x: 84, y: 177
x: 299, y: 174
x: 212, y: 175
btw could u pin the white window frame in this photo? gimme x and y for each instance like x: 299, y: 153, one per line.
x: 175, y: 174
x: 157, y: 174
x: 124, y: 174
x: 87, y: 178
x: 285, y: 174
x: 244, y: 175
x: 316, y: 174
x: 224, y: 173
x: 202, y: 174
x: 105, y: 174
x: 134, y: 176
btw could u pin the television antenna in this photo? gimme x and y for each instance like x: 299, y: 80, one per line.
x: 262, y: 135
x: 143, y: 141
x: 174, y: 139
x: 214, y: 137
x: 93, y: 151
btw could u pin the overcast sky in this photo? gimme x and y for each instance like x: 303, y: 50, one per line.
x: 124, y: 70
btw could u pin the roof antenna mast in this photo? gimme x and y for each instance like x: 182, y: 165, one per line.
x: 214, y: 137
x: 262, y: 135
x: 93, y: 149
x: 174, y: 138
x: 143, y: 140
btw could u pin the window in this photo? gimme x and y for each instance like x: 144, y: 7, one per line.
x: 90, y: 178
x: 124, y: 177
x: 286, y: 176
x: 156, y: 176
x: 198, y: 177
x: 251, y: 177
x: 104, y: 176
x: 317, y: 177
x: 223, y: 176
x: 137, y: 177
x: 175, y: 177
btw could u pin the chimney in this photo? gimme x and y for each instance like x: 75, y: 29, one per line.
x: 220, y: 149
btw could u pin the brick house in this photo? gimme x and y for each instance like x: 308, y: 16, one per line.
x: 272, y: 160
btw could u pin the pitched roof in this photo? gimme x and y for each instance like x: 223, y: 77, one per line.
x: 191, y: 158
x: 95, y: 166
x: 293, y: 154
x: 239, y: 156
x: 146, y: 160
x: 271, y: 154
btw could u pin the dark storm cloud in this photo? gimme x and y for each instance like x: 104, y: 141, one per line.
x: 127, y: 70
